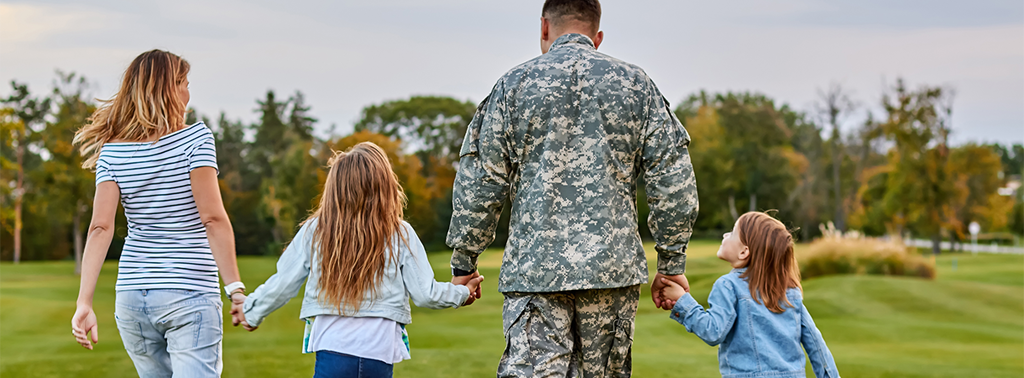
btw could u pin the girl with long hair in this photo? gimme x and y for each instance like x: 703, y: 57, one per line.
x: 164, y: 173
x: 361, y: 263
x: 757, y: 312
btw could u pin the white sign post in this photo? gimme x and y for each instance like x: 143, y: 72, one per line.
x: 974, y: 228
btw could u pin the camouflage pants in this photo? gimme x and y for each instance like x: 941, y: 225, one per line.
x: 584, y: 333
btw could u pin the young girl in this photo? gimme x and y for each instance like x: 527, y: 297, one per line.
x: 164, y: 172
x: 363, y: 262
x: 756, y: 313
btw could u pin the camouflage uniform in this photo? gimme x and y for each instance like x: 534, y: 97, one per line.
x: 565, y: 136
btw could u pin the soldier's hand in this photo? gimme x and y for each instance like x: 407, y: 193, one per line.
x: 658, y: 290
x: 474, y: 292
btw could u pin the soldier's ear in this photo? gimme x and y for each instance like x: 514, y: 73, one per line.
x: 598, y: 38
x: 545, y: 29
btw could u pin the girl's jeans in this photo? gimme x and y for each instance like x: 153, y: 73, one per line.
x: 339, y: 365
x: 171, y: 333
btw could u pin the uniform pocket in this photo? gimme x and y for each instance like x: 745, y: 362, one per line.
x: 131, y: 335
x: 620, y: 360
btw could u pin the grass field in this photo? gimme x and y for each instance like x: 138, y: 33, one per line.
x: 966, y: 323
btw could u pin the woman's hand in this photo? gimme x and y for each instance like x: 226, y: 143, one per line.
x: 237, y: 314
x: 83, y: 325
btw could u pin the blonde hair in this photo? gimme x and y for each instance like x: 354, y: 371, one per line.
x: 772, y: 268
x: 358, y: 218
x: 147, y: 105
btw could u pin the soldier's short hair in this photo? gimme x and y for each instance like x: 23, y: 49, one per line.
x: 587, y: 11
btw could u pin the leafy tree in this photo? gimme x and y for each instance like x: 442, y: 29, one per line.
x: 10, y: 129
x: 61, y: 177
x: 916, y: 188
x: 30, y: 111
x: 431, y: 124
x: 408, y: 168
x: 977, y: 174
x: 432, y: 128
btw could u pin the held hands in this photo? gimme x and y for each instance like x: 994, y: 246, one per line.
x: 237, y: 314
x: 83, y: 325
x: 666, y: 290
x: 472, y: 282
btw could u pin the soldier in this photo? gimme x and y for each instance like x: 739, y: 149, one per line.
x: 565, y: 136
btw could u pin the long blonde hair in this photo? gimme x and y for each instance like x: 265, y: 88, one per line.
x: 772, y: 268
x: 358, y: 218
x: 147, y: 106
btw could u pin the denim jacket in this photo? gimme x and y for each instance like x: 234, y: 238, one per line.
x: 409, y: 276
x: 755, y: 342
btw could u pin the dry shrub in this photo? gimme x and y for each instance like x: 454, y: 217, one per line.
x: 828, y: 256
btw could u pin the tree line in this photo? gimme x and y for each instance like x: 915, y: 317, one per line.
x: 896, y: 173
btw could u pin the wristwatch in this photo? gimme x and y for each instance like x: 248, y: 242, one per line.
x: 456, y: 272
x: 231, y: 287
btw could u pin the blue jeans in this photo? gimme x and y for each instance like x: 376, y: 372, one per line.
x: 171, y: 333
x: 339, y: 365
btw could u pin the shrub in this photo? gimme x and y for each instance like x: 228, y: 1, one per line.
x: 832, y: 255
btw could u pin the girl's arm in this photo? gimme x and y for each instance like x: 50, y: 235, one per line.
x: 292, y: 271
x: 419, y: 278
x: 821, y: 358
x: 101, y: 230
x: 713, y: 324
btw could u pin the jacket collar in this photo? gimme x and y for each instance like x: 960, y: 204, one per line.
x: 572, y: 38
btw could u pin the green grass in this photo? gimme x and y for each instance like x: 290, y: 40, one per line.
x: 965, y: 323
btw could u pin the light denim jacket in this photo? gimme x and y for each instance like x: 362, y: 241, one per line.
x: 755, y: 341
x: 410, y: 276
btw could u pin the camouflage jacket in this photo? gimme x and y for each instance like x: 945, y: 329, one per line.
x: 565, y: 136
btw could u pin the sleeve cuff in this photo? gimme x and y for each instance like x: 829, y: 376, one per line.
x: 463, y: 295
x: 463, y: 262
x: 682, y: 307
x: 672, y: 265
x: 250, y: 318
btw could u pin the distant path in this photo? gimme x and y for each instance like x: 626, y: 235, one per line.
x: 968, y: 247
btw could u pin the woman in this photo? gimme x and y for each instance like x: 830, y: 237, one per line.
x: 164, y: 172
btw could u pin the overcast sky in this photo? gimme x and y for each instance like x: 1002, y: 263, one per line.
x: 345, y: 55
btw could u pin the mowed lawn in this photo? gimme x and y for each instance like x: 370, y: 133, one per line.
x: 965, y: 323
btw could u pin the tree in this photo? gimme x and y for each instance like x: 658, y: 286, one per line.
x: 977, y: 174
x: 63, y: 179
x: 834, y: 105
x: 432, y: 124
x: 30, y: 111
x: 914, y: 189
x: 741, y: 147
x: 408, y: 168
x: 283, y: 158
x: 10, y: 128
x: 432, y: 128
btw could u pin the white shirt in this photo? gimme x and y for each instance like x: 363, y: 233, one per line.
x: 380, y: 339
x: 166, y: 247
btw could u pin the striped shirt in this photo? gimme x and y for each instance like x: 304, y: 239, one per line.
x: 166, y: 247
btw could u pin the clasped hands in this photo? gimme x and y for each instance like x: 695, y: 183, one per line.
x: 666, y: 290
x: 237, y: 313
x: 472, y: 282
